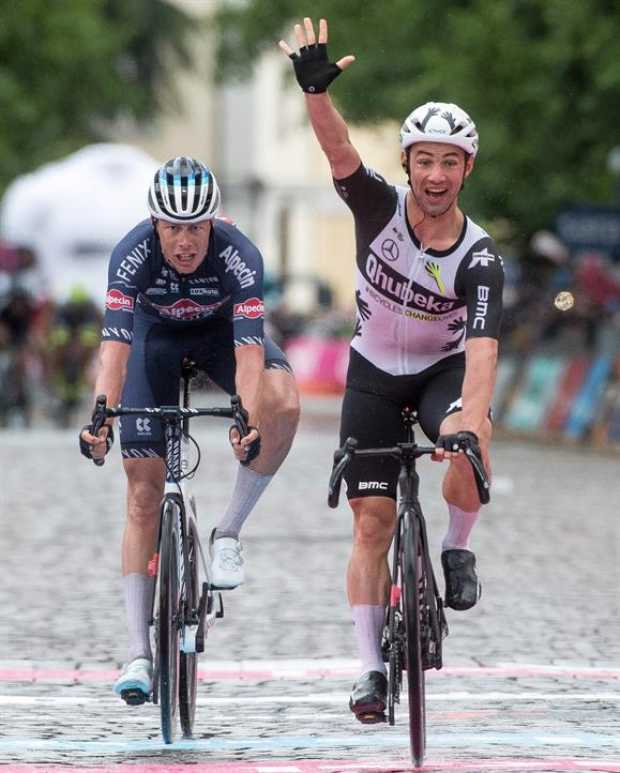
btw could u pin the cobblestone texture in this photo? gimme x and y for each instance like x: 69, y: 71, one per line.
x: 548, y: 552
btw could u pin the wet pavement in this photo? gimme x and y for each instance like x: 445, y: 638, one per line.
x: 532, y: 674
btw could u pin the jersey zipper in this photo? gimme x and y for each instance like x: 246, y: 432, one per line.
x: 401, y: 328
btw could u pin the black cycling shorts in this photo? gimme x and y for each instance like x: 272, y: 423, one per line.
x: 371, y: 413
x: 154, y: 372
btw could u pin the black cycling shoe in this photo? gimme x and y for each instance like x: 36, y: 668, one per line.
x: 134, y: 697
x: 463, y: 588
x: 368, y: 698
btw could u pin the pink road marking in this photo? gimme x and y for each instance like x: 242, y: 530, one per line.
x: 513, y: 765
x: 35, y: 674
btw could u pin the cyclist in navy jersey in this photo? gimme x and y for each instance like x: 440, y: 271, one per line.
x: 186, y: 284
x: 429, y: 303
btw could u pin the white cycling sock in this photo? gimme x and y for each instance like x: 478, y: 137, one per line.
x: 368, y: 620
x: 138, y: 592
x: 459, y: 529
x: 248, y: 489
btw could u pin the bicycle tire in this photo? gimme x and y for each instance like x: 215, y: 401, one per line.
x: 168, y: 630
x: 411, y: 612
x: 188, y: 662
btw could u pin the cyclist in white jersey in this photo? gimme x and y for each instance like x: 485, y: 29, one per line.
x: 429, y: 301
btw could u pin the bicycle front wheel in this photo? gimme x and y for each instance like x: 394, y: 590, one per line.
x: 410, y: 541
x: 188, y: 664
x: 168, y: 618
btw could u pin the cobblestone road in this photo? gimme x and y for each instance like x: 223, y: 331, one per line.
x: 532, y: 673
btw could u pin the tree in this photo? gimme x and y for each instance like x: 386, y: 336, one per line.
x: 541, y: 78
x: 69, y: 68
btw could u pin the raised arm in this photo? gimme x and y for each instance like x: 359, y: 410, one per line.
x: 314, y: 73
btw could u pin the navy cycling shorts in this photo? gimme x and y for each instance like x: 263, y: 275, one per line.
x: 154, y: 372
x: 371, y: 413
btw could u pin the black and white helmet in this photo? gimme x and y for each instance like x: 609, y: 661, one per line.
x: 184, y: 190
x: 440, y: 122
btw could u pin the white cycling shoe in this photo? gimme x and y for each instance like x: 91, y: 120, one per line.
x: 227, y: 570
x: 135, y: 684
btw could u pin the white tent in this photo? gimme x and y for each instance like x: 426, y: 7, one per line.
x: 73, y: 212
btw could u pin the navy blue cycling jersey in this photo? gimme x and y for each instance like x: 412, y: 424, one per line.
x: 228, y: 284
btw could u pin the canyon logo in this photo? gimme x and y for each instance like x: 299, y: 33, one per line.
x: 253, y: 308
x: 115, y: 300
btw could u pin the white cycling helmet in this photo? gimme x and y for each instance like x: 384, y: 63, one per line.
x: 440, y: 122
x: 184, y: 190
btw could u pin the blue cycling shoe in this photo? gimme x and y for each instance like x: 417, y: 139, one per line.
x: 135, y: 684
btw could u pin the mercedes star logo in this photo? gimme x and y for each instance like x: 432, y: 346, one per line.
x: 389, y: 250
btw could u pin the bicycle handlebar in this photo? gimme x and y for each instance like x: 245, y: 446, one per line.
x: 169, y: 413
x: 343, y: 456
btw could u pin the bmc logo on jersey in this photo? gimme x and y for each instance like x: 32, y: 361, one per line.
x: 372, y: 484
x: 116, y: 300
x: 253, y: 308
x: 482, y: 304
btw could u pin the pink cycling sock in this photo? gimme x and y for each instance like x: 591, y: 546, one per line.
x: 459, y: 529
x: 368, y: 620
x: 138, y: 592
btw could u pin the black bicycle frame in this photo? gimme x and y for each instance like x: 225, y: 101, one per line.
x: 409, y: 507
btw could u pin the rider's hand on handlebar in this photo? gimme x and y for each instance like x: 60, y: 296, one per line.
x: 245, y: 448
x: 453, y: 445
x: 96, y: 446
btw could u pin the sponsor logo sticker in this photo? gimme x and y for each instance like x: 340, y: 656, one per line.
x: 143, y: 426
x: 115, y: 300
x: 185, y: 308
x: 203, y: 291
x: 253, y: 308
x: 434, y: 271
x: 482, y: 298
x: 481, y: 258
x: 389, y: 250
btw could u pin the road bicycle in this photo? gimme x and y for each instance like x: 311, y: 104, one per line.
x: 415, y: 624
x: 185, y: 603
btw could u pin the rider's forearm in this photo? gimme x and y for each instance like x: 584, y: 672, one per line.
x: 112, y: 362
x: 250, y: 363
x: 480, y: 369
x: 333, y: 135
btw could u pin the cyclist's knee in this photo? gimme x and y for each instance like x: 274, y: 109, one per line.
x: 373, y: 523
x: 145, y: 485
x: 281, y: 397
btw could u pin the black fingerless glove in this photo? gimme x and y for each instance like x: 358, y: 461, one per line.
x: 86, y: 448
x: 313, y: 69
x: 459, y: 441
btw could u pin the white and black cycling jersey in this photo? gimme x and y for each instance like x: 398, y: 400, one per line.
x: 416, y: 306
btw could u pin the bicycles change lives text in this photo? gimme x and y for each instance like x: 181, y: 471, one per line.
x: 185, y: 603
x: 415, y: 624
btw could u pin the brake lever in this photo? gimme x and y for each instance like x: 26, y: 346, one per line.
x: 342, y: 457
x: 98, y: 420
x: 240, y: 415
x: 482, y: 482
